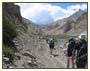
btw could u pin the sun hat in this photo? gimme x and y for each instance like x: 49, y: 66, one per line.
x: 82, y: 36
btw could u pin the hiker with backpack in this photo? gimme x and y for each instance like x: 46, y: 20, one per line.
x: 81, y: 56
x: 70, y: 45
x: 51, y: 45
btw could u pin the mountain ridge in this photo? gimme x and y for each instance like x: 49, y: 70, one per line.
x: 63, y: 26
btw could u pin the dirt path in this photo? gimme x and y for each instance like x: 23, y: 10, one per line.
x: 57, y: 60
x: 42, y: 55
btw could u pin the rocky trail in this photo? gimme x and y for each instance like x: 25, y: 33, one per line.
x: 51, y: 61
x: 39, y: 57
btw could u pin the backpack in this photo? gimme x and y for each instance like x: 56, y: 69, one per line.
x: 82, y: 51
x: 71, y: 45
x: 51, y: 42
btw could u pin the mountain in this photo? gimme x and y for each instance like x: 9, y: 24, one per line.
x: 40, y: 25
x: 76, y: 15
x: 80, y: 26
x: 64, y: 26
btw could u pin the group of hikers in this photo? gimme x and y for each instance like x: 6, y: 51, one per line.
x: 75, y: 51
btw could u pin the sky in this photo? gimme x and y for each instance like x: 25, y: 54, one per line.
x: 45, y: 13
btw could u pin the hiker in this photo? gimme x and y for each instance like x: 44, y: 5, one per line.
x: 81, y: 56
x: 69, y: 48
x: 51, y: 45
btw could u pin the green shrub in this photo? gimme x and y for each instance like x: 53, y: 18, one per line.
x: 9, y: 31
x: 8, y: 52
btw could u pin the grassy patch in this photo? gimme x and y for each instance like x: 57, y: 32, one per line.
x: 8, y: 52
x: 57, y: 36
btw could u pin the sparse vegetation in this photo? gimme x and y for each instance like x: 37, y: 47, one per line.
x: 8, y: 52
x: 9, y: 31
x: 57, y: 36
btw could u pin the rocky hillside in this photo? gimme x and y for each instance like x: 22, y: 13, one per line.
x: 81, y: 25
x: 75, y: 24
x: 19, y: 35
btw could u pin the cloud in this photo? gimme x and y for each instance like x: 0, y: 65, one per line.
x: 43, y: 13
x: 77, y: 7
x: 84, y: 6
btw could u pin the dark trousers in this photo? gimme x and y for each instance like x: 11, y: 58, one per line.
x: 80, y: 64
